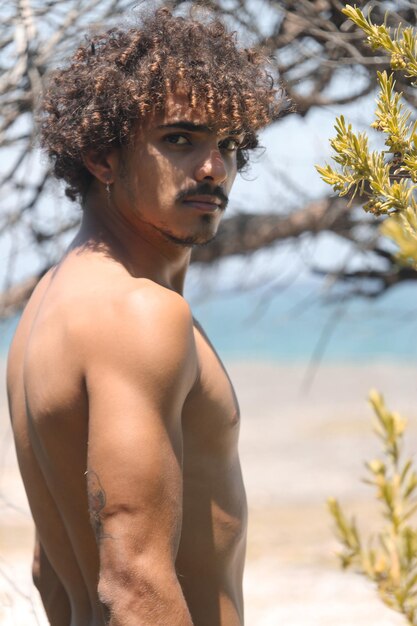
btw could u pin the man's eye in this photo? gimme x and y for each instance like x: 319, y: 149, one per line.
x: 230, y: 144
x: 178, y: 140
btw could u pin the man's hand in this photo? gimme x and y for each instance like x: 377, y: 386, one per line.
x: 143, y: 367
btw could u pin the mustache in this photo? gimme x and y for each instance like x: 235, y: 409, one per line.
x: 204, y: 189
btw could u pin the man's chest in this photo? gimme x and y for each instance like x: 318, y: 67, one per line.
x: 211, y: 416
x: 215, y: 511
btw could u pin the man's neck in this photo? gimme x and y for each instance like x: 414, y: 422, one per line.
x: 144, y: 252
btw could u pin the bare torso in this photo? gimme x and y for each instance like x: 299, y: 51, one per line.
x: 49, y: 404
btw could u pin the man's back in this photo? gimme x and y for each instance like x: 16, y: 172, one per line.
x: 71, y: 401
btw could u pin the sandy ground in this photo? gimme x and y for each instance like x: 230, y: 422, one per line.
x: 297, y: 448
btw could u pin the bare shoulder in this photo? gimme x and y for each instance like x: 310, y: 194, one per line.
x: 143, y: 313
x: 158, y: 311
x: 145, y: 330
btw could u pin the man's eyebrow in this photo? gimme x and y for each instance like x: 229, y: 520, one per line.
x: 190, y: 126
x: 196, y: 128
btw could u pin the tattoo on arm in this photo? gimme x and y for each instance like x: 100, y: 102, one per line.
x: 96, y: 504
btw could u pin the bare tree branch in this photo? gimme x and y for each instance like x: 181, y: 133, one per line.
x: 247, y: 232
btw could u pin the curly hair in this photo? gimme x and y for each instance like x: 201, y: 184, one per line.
x: 117, y: 78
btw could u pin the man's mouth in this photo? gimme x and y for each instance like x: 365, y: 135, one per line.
x: 204, y: 202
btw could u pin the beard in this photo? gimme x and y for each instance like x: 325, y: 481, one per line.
x: 206, y: 233
x: 190, y: 241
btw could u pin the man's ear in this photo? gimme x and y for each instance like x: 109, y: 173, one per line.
x: 102, y: 165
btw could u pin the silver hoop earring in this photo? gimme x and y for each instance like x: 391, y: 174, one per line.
x: 108, y: 192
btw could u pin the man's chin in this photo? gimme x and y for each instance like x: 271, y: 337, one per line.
x: 200, y: 234
x: 191, y: 241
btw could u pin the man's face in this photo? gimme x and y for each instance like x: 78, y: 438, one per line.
x: 177, y: 176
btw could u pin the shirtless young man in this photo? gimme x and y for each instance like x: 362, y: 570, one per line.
x: 125, y: 421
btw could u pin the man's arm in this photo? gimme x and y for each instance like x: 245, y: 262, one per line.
x: 143, y: 366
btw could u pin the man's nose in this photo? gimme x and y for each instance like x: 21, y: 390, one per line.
x: 212, y: 167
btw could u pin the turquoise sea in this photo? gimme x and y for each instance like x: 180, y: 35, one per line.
x: 299, y: 324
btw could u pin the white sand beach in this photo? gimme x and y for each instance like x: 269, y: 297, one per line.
x: 297, y: 448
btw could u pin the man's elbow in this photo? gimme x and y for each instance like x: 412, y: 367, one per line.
x: 140, y: 590
x: 124, y: 593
